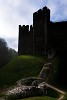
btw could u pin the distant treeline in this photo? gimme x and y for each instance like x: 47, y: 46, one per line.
x: 6, y: 53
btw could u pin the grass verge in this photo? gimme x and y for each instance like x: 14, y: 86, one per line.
x: 20, y: 67
x: 39, y: 98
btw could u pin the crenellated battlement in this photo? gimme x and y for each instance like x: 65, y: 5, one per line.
x: 44, y: 9
x: 41, y: 12
x: 25, y: 28
x: 41, y: 15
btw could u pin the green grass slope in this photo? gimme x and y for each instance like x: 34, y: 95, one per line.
x: 21, y: 67
x: 39, y: 98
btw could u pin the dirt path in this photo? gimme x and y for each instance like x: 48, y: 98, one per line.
x: 50, y: 86
x: 61, y: 97
x: 58, y: 90
x: 54, y: 88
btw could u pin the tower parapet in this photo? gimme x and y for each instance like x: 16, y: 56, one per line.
x: 25, y: 45
x: 24, y: 29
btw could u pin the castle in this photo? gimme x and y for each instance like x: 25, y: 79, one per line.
x: 43, y: 36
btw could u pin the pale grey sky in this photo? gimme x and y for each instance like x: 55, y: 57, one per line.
x: 20, y: 12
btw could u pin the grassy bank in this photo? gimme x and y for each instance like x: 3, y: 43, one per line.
x: 39, y: 98
x: 20, y: 67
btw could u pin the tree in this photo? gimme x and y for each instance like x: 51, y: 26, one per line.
x: 11, y: 53
x: 6, y: 54
x: 3, y: 52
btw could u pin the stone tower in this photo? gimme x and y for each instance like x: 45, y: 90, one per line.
x: 41, y: 20
x: 25, y: 45
x: 34, y: 41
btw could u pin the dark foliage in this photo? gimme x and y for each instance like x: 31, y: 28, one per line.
x: 6, y: 54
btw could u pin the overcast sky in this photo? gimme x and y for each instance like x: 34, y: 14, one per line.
x: 20, y: 12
